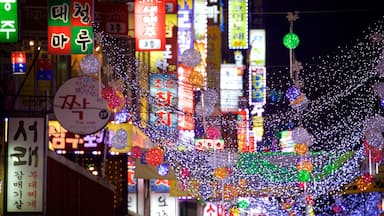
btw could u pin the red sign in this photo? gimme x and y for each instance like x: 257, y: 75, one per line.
x: 60, y: 40
x: 150, y: 25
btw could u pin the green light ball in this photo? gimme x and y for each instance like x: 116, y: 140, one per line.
x: 243, y: 204
x: 291, y: 40
x: 303, y: 176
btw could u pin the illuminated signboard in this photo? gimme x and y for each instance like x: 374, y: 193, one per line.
x: 19, y: 62
x: 238, y: 24
x: 185, y: 99
x: 286, y: 142
x: 132, y: 186
x: 209, y: 144
x: 150, y: 25
x: 257, y: 85
x: 231, y: 85
x: 70, y: 28
x: 166, y: 61
x: 9, y: 24
x: 242, y: 131
x: 258, y: 44
x: 79, y: 107
x: 26, y: 164
x: 184, y: 27
x: 163, y: 88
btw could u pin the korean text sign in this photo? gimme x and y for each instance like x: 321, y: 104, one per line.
x: 150, y: 25
x: 70, y: 28
x: 26, y: 164
x: 9, y: 32
x: 163, y: 88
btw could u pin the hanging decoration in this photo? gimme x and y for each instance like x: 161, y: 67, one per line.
x: 191, y: 57
x: 154, y: 156
x: 90, y: 64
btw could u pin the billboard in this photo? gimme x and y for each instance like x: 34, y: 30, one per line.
x: 238, y: 24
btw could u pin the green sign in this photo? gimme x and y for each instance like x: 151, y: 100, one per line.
x: 9, y: 32
x: 82, y: 40
x: 59, y: 13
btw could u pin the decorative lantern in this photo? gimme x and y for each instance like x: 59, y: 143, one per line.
x: 303, y: 176
x: 221, y: 172
x: 89, y: 64
x: 304, y: 165
x: 163, y: 169
x: 301, y: 148
x: 291, y: 40
x: 136, y: 152
x: 154, y: 156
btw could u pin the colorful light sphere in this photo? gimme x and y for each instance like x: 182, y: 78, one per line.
x: 293, y: 93
x: 213, y: 132
x: 107, y: 92
x: 136, y: 152
x: 116, y: 102
x: 363, y: 184
x: 221, y: 172
x: 89, y: 64
x: 191, y: 57
x: 303, y: 176
x: 291, y: 40
x: 243, y: 204
x: 163, y: 169
x: 196, y: 78
x: 184, y: 171
x: 305, y: 165
x: 301, y: 148
x: 154, y: 156
x: 205, y: 191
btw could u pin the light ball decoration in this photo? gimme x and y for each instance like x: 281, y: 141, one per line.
x: 184, y: 171
x: 301, y: 135
x: 293, y: 93
x: 291, y: 40
x: 304, y: 165
x: 221, y: 172
x: 379, y: 89
x: 373, y: 131
x: 136, y: 152
x: 120, y: 139
x: 243, y: 204
x: 213, y: 132
x: 163, y: 169
x: 303, y: 176
x: 205, y: 191
x: 191, y: 57
x: 211, y: 96
x: 196, y: 78
x: 116, y: 102
x: 301, y: 148
x: 154, y: 156
x: 364, y: 182
x: 89, y: 64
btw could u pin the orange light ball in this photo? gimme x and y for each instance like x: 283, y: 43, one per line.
x: 301, y: 148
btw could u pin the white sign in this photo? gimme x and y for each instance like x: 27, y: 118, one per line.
x: 162, y: 204
x: 26, y: 164
x: 79, y: 107
x: 212, y: 209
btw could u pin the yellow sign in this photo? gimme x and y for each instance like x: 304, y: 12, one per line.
x: 124, y: 136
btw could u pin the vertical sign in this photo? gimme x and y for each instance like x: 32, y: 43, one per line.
x: 238, y: 24
x: 132, y: 186
x: 185, y: 99
x: 26, y: 164
x: 70, y: 28
x: 242, y: 131
x: 9, y: 23
x: 258, y: 44
x: 150, y: 25
x: 163, y: 88
x: 19, y: 62
x: 163, y: 204
x: 257, y: 85
x: 231, y: 86
x: 185, y: 27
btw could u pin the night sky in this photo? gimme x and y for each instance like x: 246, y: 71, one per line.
x: 321, y: 27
